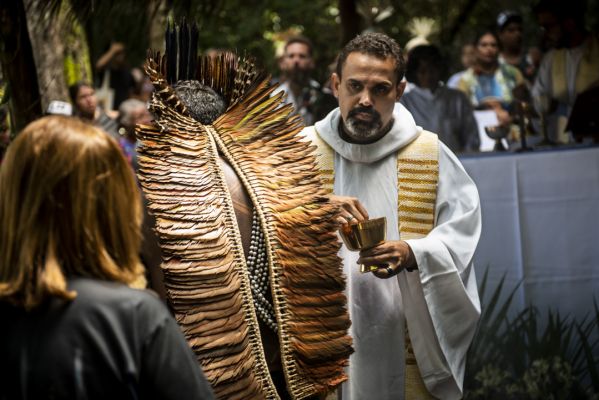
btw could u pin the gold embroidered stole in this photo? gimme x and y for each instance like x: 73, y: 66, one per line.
x: 417, y: 178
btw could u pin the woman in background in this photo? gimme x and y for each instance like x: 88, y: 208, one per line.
x: 489, y: 84
x: 86, y: 106
x: 70, y: 216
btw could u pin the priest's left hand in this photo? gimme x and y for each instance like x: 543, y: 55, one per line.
x: 393, y: 255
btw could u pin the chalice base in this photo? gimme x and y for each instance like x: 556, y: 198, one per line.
x: 364, y: 269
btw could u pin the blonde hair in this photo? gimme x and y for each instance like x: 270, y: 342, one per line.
x: 69, y: 206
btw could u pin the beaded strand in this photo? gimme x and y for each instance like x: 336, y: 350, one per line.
x: 257, y: 264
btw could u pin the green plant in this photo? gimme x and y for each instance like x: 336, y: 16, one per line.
x: 521, y: 358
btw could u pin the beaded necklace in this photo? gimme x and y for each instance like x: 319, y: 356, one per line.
x: 257, y: 264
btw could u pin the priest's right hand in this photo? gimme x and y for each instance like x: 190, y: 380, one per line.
x: 350, y: 209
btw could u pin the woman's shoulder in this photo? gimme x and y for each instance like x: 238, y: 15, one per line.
x: 106, y: 303
x: 469, y: 74
x: 96, y: 293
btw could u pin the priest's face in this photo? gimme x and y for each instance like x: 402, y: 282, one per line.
x: 367, y: 91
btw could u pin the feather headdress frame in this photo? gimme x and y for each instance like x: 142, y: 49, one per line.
x: 204, y: 267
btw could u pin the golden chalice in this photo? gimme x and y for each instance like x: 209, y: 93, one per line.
x: 364, y: 235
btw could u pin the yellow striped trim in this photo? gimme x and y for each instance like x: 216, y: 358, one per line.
x: 419, y: 196
x: 423, y: 220
x: 417, y: 180
x: 412, y: 171
x: 417, y: 189
x: 417, y: 204
x: 417, y: 220
x: 414, y: 385
x: 417, y: 210
x: 419, y: 160
x: 421, y: 231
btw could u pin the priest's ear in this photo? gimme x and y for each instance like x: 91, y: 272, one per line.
x: 335, y: 82
x: 401, y: 86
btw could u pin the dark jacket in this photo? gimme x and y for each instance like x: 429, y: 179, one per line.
x: 111, y: 342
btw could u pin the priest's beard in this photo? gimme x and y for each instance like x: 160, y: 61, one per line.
x: 364, y: 130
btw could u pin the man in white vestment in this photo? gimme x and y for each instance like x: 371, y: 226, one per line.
x: 569, y: 68
x: 377, y: 163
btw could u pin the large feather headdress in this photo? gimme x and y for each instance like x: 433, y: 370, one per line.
x: 203, y: 262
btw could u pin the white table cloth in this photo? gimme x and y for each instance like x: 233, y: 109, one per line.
x: 540, y: 215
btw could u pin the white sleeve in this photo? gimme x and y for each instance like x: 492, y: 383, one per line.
x: 542, y: 85
x: 445, y: 284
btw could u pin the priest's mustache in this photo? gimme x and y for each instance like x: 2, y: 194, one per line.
x: 376, y: 117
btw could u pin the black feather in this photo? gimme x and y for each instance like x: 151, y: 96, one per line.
x: 171, y: 53
x: 183, y: 50
x: 193, y: 52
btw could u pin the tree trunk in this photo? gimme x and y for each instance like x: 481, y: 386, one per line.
x: 157, y: 11
x: 18, y: 64
x: 350, y: 20
x: 77, y: 63
x: 47, y: 33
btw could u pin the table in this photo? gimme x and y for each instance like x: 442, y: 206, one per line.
x: 540, y: 214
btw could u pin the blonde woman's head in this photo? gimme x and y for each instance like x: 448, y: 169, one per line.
x: 69, y: 206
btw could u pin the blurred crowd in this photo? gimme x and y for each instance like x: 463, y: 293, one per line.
x: 529, y: 90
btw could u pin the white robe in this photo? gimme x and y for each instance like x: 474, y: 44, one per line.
x: 440, y: 300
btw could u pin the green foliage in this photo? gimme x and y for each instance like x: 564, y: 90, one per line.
x: 124, y: 21
x: 516, y: 358
x: 77, y: 63
x: 253, y: 26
